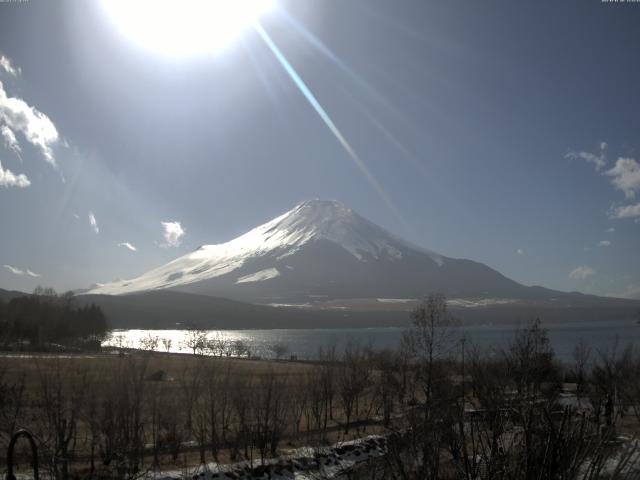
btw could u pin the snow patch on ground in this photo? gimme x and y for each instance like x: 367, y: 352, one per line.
x: 301, y: 464
x: 479, y: 302
x: 287, y: 305
x: 395, y: 300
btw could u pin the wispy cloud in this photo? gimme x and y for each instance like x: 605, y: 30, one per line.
x: 10, y: 140
x: 172, y: 233
x: 128, y: 246
x: 625, y: 211
x: 7, y: 66
x: 598, y: 160
x: 93, y: 222
x: 626, y: 176
x: 604, y: 243
x: 14, y: 270
x: 520, y: 251
x: 581, y: 273
x: 10, y: 179
x: 19, y: 271
x: 36, y: 127
x: 611, y: 230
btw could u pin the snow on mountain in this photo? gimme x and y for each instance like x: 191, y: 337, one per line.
x: 323, y: 255
x: 282, y: 237
x: 260, y: 276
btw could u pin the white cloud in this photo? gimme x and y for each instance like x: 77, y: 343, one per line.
x: 626, y: 176
x: 10, y: 179
x: 93, y: 222
x: 598, y: 160
x: 36, y: 127
x: 625, y: 211
x: 604, y: 243
x: 128, y: 245
x: 10, y: 140
x: 5, y: 64
x: 520, y: 251
x: 611, y: 229
x: 581, y: 273
x: 14, y: 270
x: 172, y: 233
x: 19, y: 271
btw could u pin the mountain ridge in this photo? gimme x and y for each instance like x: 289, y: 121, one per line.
x: 322, y: 251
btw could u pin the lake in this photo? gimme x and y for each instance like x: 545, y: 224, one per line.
x: 601, y: 336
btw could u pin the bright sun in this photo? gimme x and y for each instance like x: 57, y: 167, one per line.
x: 185, y: 27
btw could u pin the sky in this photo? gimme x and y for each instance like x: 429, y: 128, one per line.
x: 504, y: 132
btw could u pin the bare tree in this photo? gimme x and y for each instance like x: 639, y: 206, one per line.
x: 60, y: 401
x: 386, y: 384
x: 166, y: 343
x: 121, y: 416
x: 269, y: 413
x: 218, y: 345
x: 195, y: 340
x: 315, y: 406
x: 191, y: 380
x: 353, y: 376
x: 149, y: 343
x: 217, y: 387
x: 429, y: 342
x: 530, y: 359
x: 239, y: 348
x: 581, y: 357
x: 12, y: 392
x: 298, y: 397
x: 240, y: 428
x: 328, y: 381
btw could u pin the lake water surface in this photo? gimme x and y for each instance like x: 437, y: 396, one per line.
x: 601, y: 336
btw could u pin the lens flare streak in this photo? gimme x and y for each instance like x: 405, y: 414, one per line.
x: 326, y: 119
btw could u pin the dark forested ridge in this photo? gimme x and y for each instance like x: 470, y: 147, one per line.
x: 169, y: 309
x: 45, y: 318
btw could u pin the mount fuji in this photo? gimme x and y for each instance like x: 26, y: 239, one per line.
x: 321, y: 252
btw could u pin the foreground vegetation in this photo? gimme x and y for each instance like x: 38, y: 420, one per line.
x: 445, y: 408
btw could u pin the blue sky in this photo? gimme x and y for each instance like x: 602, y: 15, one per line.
x: 503, y: 133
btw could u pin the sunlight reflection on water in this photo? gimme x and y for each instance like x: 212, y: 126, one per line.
x: 601, y: 335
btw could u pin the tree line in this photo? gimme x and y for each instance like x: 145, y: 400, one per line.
x: 45, y: 318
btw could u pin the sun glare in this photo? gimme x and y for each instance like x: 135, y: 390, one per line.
x: 185, y: 27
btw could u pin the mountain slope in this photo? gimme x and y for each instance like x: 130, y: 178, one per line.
x: 7, y: 295
x: 323, y: 250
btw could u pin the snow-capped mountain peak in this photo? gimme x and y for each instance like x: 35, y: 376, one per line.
x: 320, y: 253
x: 332, y: 221
x: 308, y: 222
